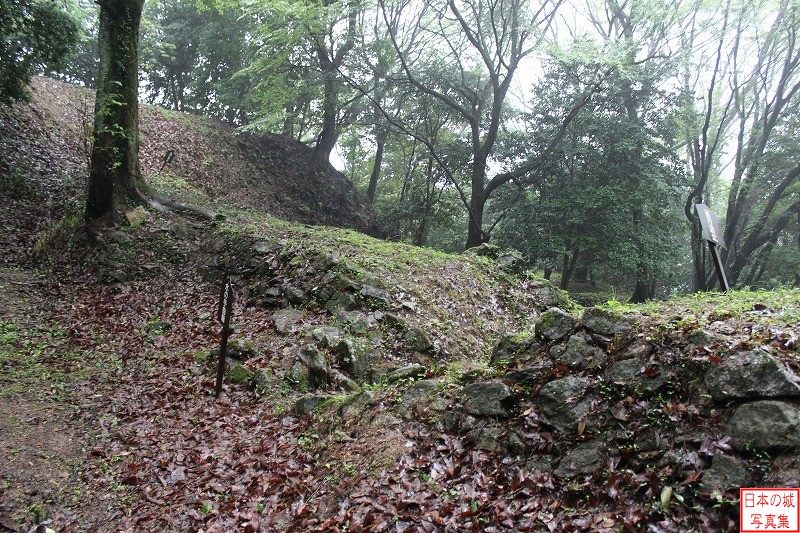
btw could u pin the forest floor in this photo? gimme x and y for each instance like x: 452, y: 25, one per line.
x: 40, y: 440
x: 108, y: 421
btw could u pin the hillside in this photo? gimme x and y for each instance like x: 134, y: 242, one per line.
x: 267, y: 173
x: 372, y: 386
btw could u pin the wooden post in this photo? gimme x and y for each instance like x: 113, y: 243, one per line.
x: 224, y: 316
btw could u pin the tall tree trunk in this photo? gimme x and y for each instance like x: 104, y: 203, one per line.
x: 699, y: 272
x: 477, y: 202
x: 475, y: 235
x: 330, y: 128
x: 376, y: 166
x: 421, y: 234
x: 643, y: 288
x: 114, y: 176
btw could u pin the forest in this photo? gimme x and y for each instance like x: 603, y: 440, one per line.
x: 580, y: 133
x: 399, y: 265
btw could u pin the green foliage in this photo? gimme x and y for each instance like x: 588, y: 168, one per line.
x: 415, y: 197
x: 57, y: 237
x: 8, y: 333
x: 35, y: 37
x: 14, y: 182
x: 37, y: 513
x: 27, y: 360
x: 293, y: 78
x: 191, y: 56
x: 610, y: 193
x: 82, y: 65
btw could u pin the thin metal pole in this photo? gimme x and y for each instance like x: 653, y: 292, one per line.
x: 723, y: 278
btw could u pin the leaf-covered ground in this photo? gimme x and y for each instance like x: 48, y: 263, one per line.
x: 108, y: 420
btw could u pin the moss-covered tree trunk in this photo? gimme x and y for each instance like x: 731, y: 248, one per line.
x: 114, y: 177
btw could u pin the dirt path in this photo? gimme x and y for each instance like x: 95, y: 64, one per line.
x: 41, y: 440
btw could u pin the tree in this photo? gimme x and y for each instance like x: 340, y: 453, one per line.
x: 302, y: 48
x: 416, y: 199
x: 760, y: 203
x: 81, y: 65
x: 114, y: 176
x: 465, y: 55
x: 608, y: 194
x: 191, y: 58
x: 750, y: 98
x: 35, y: 36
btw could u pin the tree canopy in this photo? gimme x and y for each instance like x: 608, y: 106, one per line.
x: 578, y: 132
x: 36, y: 36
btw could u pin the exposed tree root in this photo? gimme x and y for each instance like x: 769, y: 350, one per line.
x: 161, y: 203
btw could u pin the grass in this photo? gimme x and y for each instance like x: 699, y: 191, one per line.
x: 779, y: 306
x: 366, y: 253
x: 441, y: 288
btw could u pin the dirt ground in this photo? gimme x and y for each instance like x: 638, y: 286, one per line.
x: 41, y: 442
x: 38, y: 450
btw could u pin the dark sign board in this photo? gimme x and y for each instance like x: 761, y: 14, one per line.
x: 710, y: 225
x: 167, y: 159
x: 225, y: 301
x: 713, y: 234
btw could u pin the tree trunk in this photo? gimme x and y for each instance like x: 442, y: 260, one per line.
x: 753, y: 239
x: 567, y: 268
x: 477, y: 202
x: 582, y: 273
x: 114, y: 176
x: 376, y: 167
x: 421, y: 234
x: 699, y: 274
x: 330, y: 129
x: 643, y: 291
x: 475, y: 236
x: 644, y: 279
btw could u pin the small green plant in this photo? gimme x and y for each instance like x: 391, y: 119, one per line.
x: 37, y: 513
x: 308, y: 442
x: 8, y: 333
x: 57, y: 236
x: 14, y: 183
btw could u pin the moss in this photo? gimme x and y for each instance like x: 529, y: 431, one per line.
x: 545, y: 322
x: 239, y: 374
